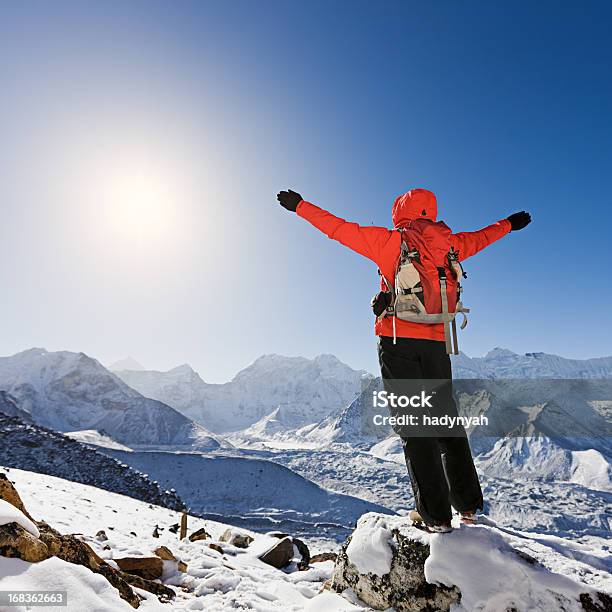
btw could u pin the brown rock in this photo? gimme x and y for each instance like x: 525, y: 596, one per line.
x: 200, y: 534
x: 163, y: 552
x: 164, y: 593
x: 9, y: 493
x: 181, y: 566
x: 73, y: 550
x: 149, y: 568
x: 17, y: 542
x: 325, y: 556
x: 215, y: 547
x: 280, y: 554
x: 236, y: 538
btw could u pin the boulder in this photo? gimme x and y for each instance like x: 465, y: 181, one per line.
x: 149, y: 568
x: 15, y: 541
x: 9, y: 494
x: 215, y: 547
x: 236, y: 538
x: 200, y: 534
x: 403, y: 587
x: 280, y: 554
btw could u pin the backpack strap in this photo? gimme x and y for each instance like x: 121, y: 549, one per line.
x: 444, y: 297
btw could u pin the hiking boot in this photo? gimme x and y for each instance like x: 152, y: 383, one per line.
x: 439, y: 528
x: 469, y: 518
x: 417, y: 521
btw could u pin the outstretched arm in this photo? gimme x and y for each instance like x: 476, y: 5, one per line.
x: 365, y: 240
x: 470, y: 243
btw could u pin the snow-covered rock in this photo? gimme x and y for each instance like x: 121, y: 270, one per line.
x: 10, y: 514
x: 389, y: 563
x: 307, y: 389
x: 70, y: 391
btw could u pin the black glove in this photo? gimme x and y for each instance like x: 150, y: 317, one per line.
x: 289, y: 199
x: 519, y: 220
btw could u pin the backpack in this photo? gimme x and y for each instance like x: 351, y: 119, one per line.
x: 427, y: 286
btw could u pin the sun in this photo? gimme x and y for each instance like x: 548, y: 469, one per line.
x: 140, y: 206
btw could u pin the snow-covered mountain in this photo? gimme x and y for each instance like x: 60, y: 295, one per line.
x: 68, y: 391
x: 502, y: 363
x: 543, y: 458
x: 30, y: 447
x: 306, y: 389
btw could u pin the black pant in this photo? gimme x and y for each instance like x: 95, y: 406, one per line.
x: 441, y: 468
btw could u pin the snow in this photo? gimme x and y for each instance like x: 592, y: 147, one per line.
x: 214, y: 582
x: 95, y: 438
x: 253, y: 492
x: 502, y: 363
x: 590, y: 468
x: 10, y: 514
x: 495, y: 569
x: 370, y: 547
x: 307, y: 390
x: 85, y: 590
x: 491, y: 576
x: 68, y: 391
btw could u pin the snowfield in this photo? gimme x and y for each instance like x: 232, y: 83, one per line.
x: 482, y: 560
x: 214, y: 581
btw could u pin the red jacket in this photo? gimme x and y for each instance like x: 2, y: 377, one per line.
x: 382, y: 246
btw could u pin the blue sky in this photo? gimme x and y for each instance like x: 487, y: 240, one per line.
x: 144, y: 143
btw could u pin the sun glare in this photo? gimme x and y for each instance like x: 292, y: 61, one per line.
x: 140, y: 207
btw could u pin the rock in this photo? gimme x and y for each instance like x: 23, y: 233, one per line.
x: 200, y: 534
x: 164, y: 593
x: 236, y: 538
x: 216, y: 547
x: 280, y: 554
x: 304, y: 553
x: 325, y: 556
x: 163, y: 552
x: 156, y: 532
x: 9, y: 494
x: 173, y: 528
x: 403, y: 588
x: 16, y: 542
x: 101, y: 536
x: 149, y: 568
x: 299, y: 544
x: 73, y: 550
x: 603, y: 603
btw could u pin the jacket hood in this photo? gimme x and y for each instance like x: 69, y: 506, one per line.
x: 415, y: 204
